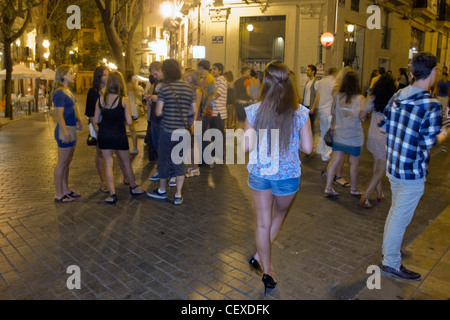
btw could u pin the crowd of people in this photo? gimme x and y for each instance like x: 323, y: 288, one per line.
x: 404, y: 125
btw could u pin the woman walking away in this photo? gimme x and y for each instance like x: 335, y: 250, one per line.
x: 111, y: 113
x: 176, y: 100
x: 383, y: 90
x: 274, y: 183
x: 68, y: 122
x: 348, y: 133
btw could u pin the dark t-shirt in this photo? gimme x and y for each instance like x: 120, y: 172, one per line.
x: 91, y: 100
x: 240, y: 89
x: 443, y: 87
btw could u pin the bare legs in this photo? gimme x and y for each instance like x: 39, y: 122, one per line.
x: 61, y: 173
x: 335, y: 161
x: 124, y: 160
x: 379, y: 168
x: 270, y: 213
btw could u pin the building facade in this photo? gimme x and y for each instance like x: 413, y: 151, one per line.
x: 368, y: 34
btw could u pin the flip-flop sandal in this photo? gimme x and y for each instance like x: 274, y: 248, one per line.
x: 356, y: 193
x: 73, y: 194
x: 342, y: 183
x: 330, y: 194
x: 64, y: 198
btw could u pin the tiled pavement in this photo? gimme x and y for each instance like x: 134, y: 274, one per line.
x: 146, y: 249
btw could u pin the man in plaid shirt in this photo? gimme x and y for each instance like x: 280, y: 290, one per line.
x: 412, y: 123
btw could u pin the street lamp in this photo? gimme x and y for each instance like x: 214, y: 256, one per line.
x: 166, y: 9
x: 46, y: 44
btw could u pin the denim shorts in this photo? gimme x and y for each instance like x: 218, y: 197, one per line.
x: 353, y: 151
x: 283, y: 187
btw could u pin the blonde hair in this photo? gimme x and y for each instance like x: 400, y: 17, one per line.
x: 61, y: 72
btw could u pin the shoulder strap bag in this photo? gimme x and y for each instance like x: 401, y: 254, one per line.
x: 186, y: 125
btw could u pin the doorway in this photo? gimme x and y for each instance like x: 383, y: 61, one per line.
x: 354, y: 47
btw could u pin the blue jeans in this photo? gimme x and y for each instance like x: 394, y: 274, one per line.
x: 405, y: 198
x: 156, y: 128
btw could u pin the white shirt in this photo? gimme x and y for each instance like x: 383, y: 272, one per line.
x: 306, y: 98
x: 325, y: 88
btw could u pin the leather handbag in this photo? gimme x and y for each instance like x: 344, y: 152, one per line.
x: 328, y: 137
x: 91, y: 139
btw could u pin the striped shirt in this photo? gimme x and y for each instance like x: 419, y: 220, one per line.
x: 412, y: 121
x: 219, y: 105
x: 172, y: 118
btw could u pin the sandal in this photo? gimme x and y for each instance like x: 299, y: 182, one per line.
x: 364, y: 202
x: 341, y: 181
x: 330, y: 193
x: 193, y: 173
x: 136, y: 193
x: 104, y: 188
x: 73, y: 194
x: 64, y: 198
x: 381, y: 197
x: 356, y: 193
x: 113, y: 201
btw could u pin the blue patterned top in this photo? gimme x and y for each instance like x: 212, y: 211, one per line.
x: 276, y: 164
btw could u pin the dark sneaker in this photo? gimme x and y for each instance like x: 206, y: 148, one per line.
x: 157, y: 195
x: 173, y: 182
x: 155, y: 177
x: 177, y: 200
x: 401, y: 273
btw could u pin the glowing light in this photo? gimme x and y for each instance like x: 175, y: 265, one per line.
x: 46, y: 43
x: 198, y: 52
x: 112, y: 66
x: 166, y: 9
x: 350, y: 28
x: 250, y: 27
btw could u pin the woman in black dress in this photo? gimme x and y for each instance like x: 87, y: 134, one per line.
x: 112, y: 111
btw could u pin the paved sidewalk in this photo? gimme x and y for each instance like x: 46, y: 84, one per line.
x: 146, y: 249
x: 429, y: 255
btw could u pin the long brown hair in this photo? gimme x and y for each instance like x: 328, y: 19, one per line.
x: 278, y: 102
x: 350, y: 86
x: 115, y: 85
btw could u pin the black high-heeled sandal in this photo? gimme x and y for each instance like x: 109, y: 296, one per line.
x: 113, y: 201
x: 255, y: 264
x: 269, y: 283
x: 136, y: 193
